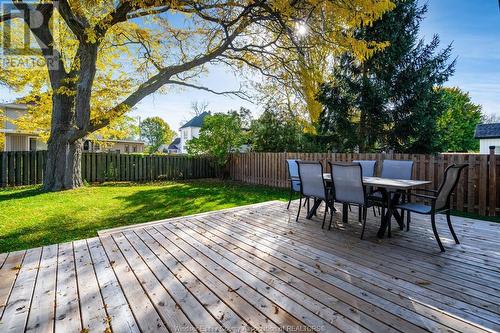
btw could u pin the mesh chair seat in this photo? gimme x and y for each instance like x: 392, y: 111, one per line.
x: 296, y: 185
x: 416, y: 207
x: 377, y: 196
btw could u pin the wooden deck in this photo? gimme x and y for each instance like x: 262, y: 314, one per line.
x: 254, y: 268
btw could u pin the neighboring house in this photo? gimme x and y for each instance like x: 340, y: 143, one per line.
x: 174, y: 147
x: 111, y: 145
x: 17, y: 140
x: 191, y: 130
x: 488, y: 135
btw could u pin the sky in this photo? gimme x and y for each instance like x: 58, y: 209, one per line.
x: 472, y: 26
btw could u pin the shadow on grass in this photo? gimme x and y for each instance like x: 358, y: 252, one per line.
x: 54, y: 229
x: 136, y: 205
x: 190, y: 198
x: 20, y: 193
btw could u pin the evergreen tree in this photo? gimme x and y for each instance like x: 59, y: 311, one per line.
x: 389, y: 100
x: 277, y: 130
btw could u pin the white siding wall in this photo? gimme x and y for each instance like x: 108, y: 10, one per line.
x: 187, y: 134
x: 484, y: 145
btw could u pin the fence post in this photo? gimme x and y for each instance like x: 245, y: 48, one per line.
x: 492, y: 179
x: 3, y: 169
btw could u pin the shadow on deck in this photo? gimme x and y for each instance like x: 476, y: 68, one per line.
x: 254, y: 267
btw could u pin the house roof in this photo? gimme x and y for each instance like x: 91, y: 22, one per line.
x: 126, y: 140
x: 175, y: 144
x: 487, y: 131
x: 196, y: 121
x: 14, y: 106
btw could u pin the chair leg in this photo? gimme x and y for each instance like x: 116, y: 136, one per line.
x: 350, y: 210
x: 448, y: 219
x: 360, y: 210
x: 408, y: 219
x: 298, y: 213
x: 289, y: 200
x: 364, y: 222
x: 332, y: 210
x: 324, y: 215
x: 433, y: 222
x: 374, y: 211
x: 402, y: 219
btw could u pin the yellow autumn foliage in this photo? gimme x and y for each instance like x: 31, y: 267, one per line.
x: 132, y: 52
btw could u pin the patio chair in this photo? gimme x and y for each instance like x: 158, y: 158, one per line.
x: 293, y: 175
x: 396, y: 169
x: 393, y: 169
x: 368, y: 169
x: 312, y: 186
x: 349, y: 189
x: 439, y: 201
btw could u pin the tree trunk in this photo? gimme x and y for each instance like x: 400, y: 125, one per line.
x: 63, y: 168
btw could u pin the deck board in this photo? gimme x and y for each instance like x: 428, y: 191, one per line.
x: 255, y: 268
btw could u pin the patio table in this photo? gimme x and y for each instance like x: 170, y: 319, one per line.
x: 387, y: 186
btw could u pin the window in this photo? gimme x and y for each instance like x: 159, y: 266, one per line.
x: 86, y: 145
x: 135, y: 149
x: 32, y: 144
x: 127, y: 149
x: 185, y: 134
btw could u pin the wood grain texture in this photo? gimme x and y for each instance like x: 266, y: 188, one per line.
x: 254, y: 268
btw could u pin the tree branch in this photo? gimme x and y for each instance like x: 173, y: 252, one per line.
x: 76, y: 23
x: 239, y: 93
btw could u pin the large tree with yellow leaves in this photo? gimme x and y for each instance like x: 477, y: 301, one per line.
x: 104, y: 56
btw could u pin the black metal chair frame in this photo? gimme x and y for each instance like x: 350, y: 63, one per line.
x: 446, y: 209
x: 364, y: 207
x: 329, y: 202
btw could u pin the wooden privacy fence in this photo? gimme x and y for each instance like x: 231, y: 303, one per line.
x: 25, y: 168
x: 477, y: 191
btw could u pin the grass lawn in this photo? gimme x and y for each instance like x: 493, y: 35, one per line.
x: 30, y: 217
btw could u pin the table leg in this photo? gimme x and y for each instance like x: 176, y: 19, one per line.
x: 399, y: 217
x: 312, y: 211
x: 345, y: 213
x: 386, y: 219
x: 408, y: 216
